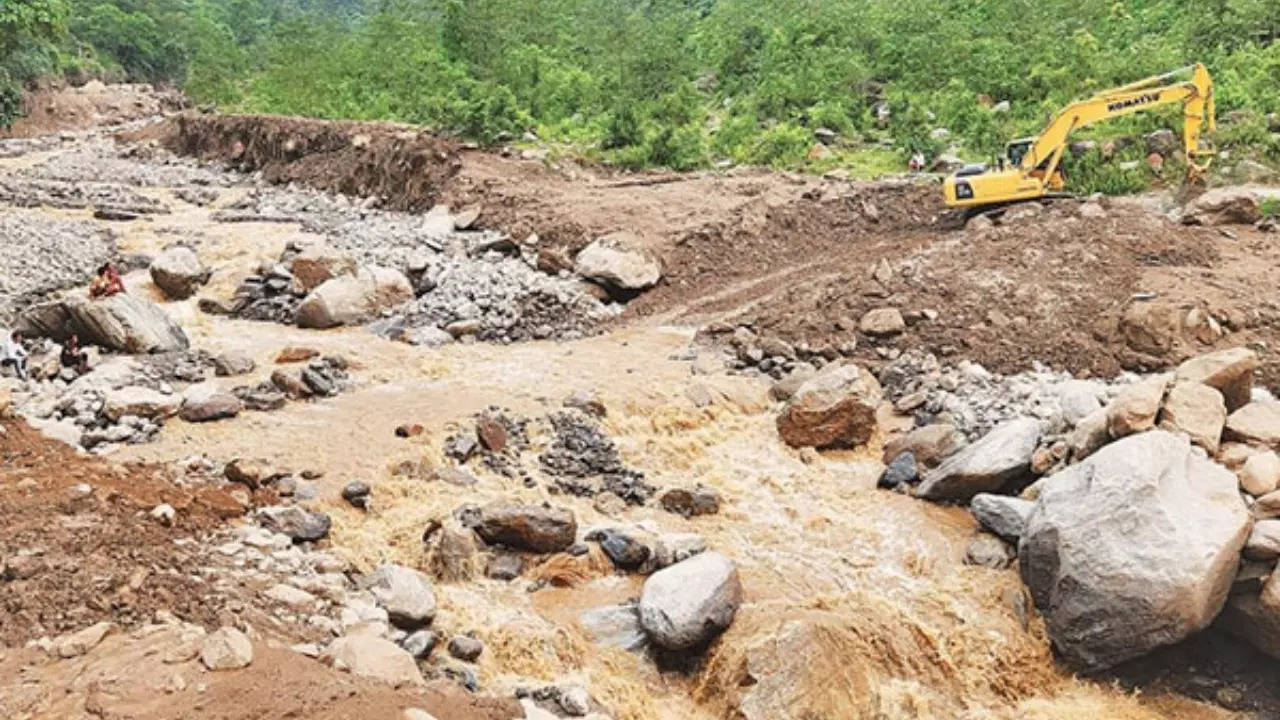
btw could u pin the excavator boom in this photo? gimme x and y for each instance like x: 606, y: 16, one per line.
x: 1035, y: 163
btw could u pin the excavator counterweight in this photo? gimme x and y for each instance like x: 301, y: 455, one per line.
x: 1031, y: 167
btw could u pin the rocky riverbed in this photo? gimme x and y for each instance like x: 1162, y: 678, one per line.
x: 445, y: 466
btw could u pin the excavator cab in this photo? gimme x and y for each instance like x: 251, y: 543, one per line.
x: 1017, y: 149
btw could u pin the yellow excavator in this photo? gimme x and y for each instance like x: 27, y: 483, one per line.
x: 1034, y: 171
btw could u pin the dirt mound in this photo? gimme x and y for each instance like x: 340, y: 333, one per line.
x: 78, y: 547
x: 60, y: 109
x: 405, y: 166
x: 1090, y: 295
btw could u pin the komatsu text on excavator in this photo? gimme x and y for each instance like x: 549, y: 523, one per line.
x: 1033, y: 167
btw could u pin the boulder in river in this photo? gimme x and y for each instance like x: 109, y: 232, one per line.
x: 405, y: 594
x: 218, y: 406
x: 123, y: 323
x: 834, y: 409
x: 299, y: 524
x: 1133, y: 548
x: 930, y: 445
x: 178, y: 272
x: 533, y: 528
x: 1001, y: 457
x: 354, y: 298
x: 1003, y: 515
x: 317, y: 263
x: 688, y: 604
x: 141, y: 402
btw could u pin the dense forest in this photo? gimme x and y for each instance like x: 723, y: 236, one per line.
x: 675, y: 83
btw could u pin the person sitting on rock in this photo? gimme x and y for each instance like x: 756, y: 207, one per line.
x: 74, y: 357
x: 13, y: 353
x: 107, y: 283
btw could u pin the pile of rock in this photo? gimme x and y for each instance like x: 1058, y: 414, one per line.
x: 111, y: 200
x: 269, y: 295
x: 374, y: 263
x: 777, y: 358
x: 1133, y: 535
x: 502, y: 299
x: 584, y: 461
x: 42, y: 255
x: 100, y: 160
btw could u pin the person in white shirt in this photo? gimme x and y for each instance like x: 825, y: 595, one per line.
x: 13, y: 353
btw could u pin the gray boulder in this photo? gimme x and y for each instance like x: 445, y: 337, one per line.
x: 405, y: 594
x: 688, y: 604
x: 1000, y: 457
x: 527, y: 527
x: 1003, y: 515
x: 1132, y: 549
x: 218, y: 406
x: 178, y: 272
x: 1078, y: 400
x: 299, y: 524
x: 123, y: 323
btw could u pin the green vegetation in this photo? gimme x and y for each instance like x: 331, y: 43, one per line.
x: 1271, y: 207
x: 688, y: 83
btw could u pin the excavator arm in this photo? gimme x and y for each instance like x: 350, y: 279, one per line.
x: 1036, y: 173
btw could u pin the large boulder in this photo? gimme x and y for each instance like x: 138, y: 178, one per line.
x: 317, y: 263
x: 1132, y: 549
x: 178, y: 272
x: 405, y: 594
x: 1224, y: 206
x: 688, y: 604
x: 619, y: 261
x: 124, y: 323
x: 373, y: 657
x: 140, y: 401
x: 834, y: 409
x: 1197, y: 410
x: 1001, y: 457
x: 1230, y: 372
x: 354, y: 298
x: 218, y: 406
x: 1257, y: 423
x: 527, y: 527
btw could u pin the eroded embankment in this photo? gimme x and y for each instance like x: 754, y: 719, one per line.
x: 406, y: 167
